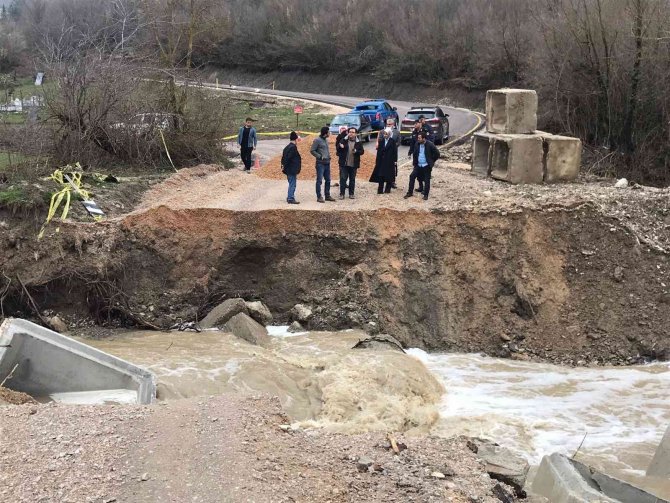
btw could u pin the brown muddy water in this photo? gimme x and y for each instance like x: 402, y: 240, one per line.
x: 619, y: 414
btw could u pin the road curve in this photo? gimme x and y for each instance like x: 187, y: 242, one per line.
x: 462, y: 122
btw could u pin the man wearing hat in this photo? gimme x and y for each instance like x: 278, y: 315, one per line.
x: 321, y: 152
x: 291, y: 163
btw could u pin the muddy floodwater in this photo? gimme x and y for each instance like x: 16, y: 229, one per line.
x: 618, y: 415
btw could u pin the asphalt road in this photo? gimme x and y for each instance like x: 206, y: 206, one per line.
x: 461, y: 121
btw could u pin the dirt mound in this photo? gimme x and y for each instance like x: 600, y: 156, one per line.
x: 10, y: 397
x: 272, y: 169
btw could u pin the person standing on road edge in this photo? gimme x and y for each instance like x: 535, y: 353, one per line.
x: 246, y: 139
x: 349, y: 151
x: 321, y: 152
x: 395, y: 134
x: 425, y: 156
x: 291, y: 163
x: 385, y: 164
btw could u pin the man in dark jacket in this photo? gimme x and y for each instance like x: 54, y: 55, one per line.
x: 349, y: 151
x: 387, y: 157
x: 246, y: 139
x: 291, y: 163
x: 425, y: 154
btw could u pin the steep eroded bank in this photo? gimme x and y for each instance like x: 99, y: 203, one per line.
x: 565, y: 284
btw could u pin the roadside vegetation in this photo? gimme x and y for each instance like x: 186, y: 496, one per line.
x: 600, y: 67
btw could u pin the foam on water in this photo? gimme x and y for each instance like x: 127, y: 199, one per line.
x: 282, y: 331
x: 538, y: 409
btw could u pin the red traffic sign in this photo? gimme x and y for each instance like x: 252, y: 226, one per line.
x: 298, y: 109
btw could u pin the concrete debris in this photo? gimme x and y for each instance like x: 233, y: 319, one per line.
x: 220, y: 315
x: 244, y: 327
x: 501, y: 464
x: 36, y: 358
x: 259, y: 312
x: 564, y: 480
x: 301, y: 313
x: 383, y: 341
x: 660, y: 464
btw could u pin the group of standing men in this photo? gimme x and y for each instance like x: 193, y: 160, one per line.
x: 349, y: 149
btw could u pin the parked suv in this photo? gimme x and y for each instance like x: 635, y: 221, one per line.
x: 351, y: 119
x: 377, y: 111
x: 434, y: 116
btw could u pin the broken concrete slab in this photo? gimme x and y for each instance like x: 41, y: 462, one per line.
x: 259, y: 312
x: 564, y: 480
x: 501, y: 463
x: 220, y: 315
x: 511, y: 111
x: 562, y: 159
x: 660, y: 464
x: 244, y: 327
x: 481, y: 153
x: 518, y: 158
x: 45, y: 363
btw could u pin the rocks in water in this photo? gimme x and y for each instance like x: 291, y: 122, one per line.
x: 301, y: 313
x: 57, y: 324
x: 244, y: 327
x: 220, y: 315
x: 501, y: 464
x: 259, y: 312
x: 383, y: 341
x: 295, y: 327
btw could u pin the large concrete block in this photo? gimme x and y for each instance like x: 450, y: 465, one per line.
x: 511, y: 111
x: 517, y: 158
x: 481, y: 153
x: 660, y: 464
x: 46, y: 363
x: 563, y: 158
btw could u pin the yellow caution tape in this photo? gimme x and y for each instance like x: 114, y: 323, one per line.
x: 64, y: 194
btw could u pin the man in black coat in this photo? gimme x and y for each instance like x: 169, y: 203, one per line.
x: 291, y: 163
x: 387, y: 157
x: 349, y: 151
x: 425, y: 155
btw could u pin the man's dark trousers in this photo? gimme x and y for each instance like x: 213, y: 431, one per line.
x: 347, y: 173
x: 422, y: 174
x: 245, y: 153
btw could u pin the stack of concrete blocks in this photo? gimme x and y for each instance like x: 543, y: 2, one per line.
x: 513, y: 150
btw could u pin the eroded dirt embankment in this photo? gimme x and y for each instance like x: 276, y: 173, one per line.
x: 560, y: 284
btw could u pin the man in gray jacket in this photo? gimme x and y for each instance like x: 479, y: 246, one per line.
x: 321, y: 152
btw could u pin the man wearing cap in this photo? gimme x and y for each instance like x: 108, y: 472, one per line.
x: 349, y: 152
x: 321, y: 152
x: 246, y: 139
x: 291, y: 163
